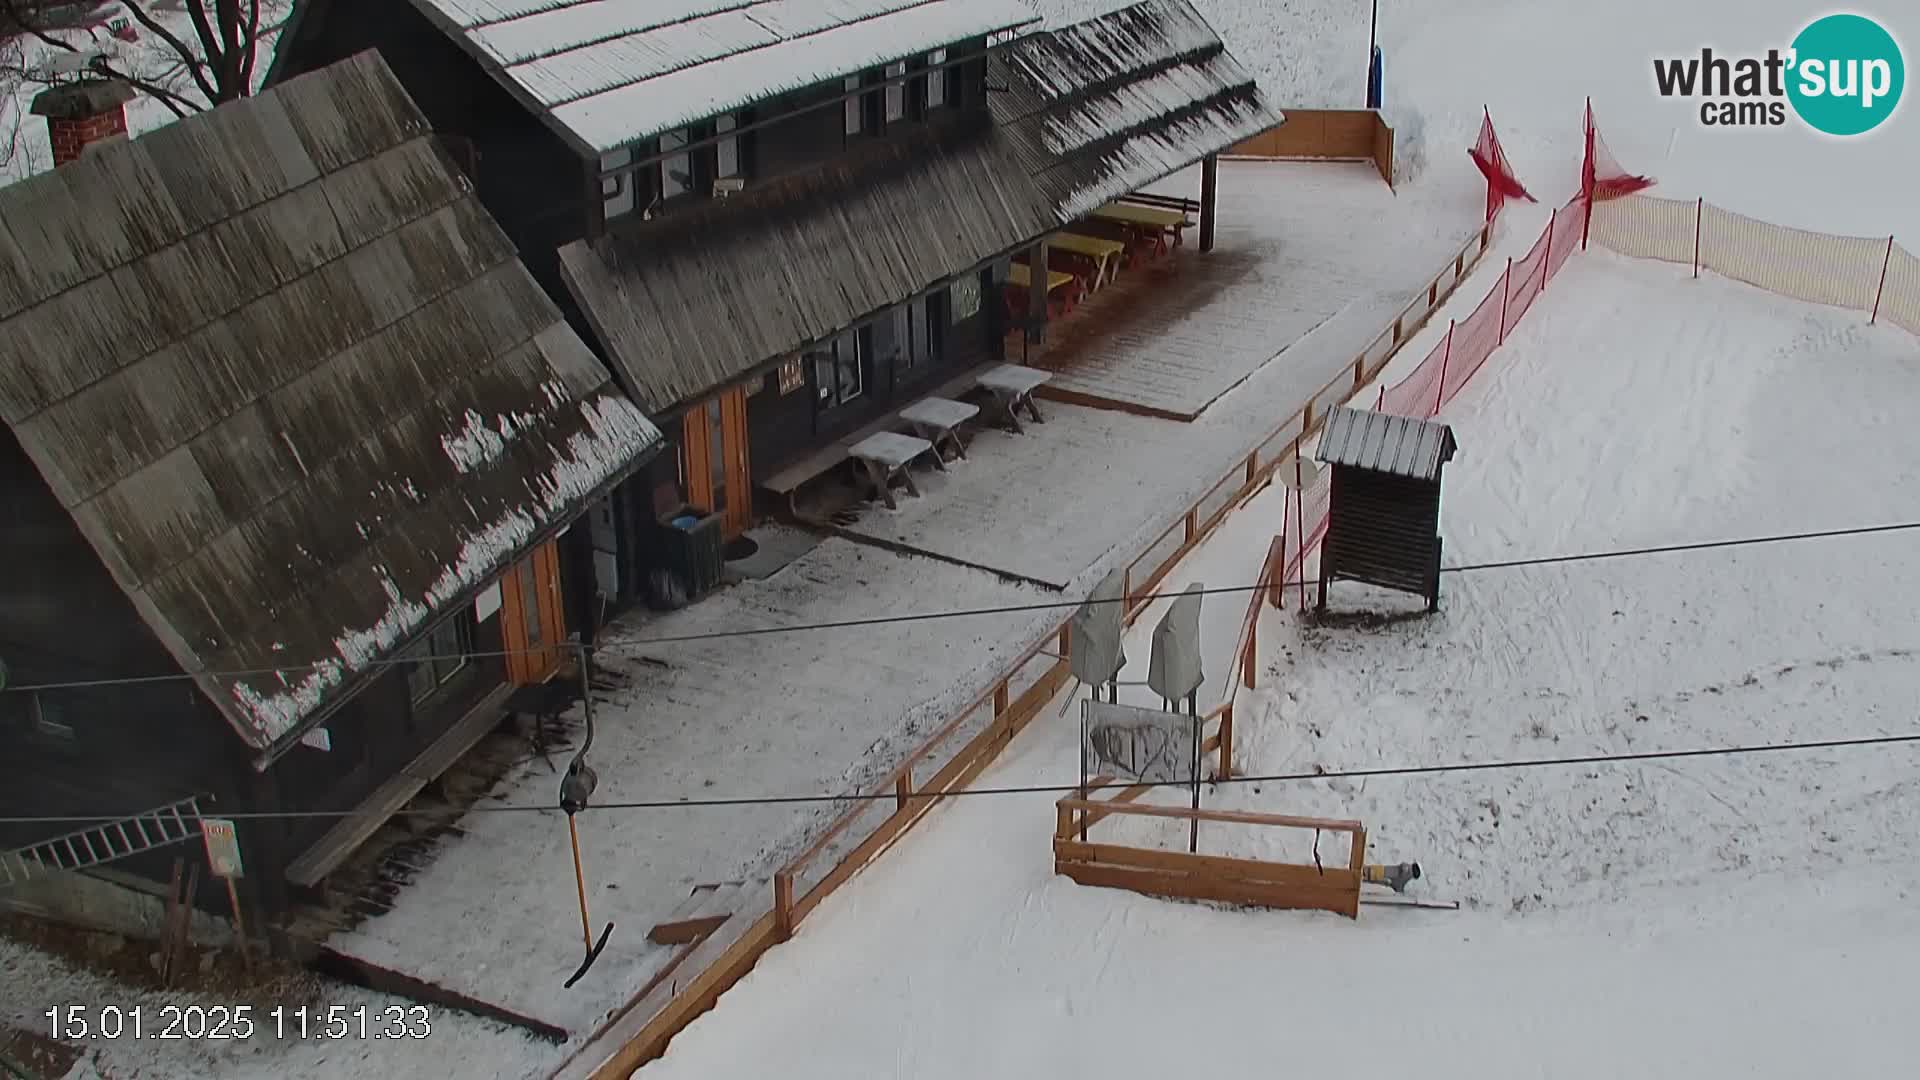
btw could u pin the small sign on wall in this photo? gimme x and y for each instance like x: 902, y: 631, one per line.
x: 487, y: 603
x: 792, y: 375
x: 223, y: 847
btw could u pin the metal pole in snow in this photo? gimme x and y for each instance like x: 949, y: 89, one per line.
x: 1373, y: 40
x: 1884, y: 263
x: 1699, y: 214
x: 1506, y: 281
x: 1446, y: 354
x: 1546, y: 257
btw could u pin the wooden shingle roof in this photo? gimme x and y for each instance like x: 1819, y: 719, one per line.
x: 294, y: 385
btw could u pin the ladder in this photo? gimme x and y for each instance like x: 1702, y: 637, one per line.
x: 170, y: 824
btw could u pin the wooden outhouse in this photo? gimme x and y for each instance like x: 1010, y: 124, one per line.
x: 1383, y: 523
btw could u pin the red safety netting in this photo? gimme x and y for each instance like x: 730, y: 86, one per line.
x: 1601, y: 177
x: 1492, y: 163
x: 1568, y: 227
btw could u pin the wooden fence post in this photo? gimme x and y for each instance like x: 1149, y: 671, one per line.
x: 1226, y: 742
x: 1359, y: 371
x: 902, y: 787
x: 1506, y: 280
x: 1884, y: 263
x: 1699, y: 214
x: 783, y: 904
x: 1446, y: 354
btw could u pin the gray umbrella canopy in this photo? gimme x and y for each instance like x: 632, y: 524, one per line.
x: 1095, y: 654
x: 1175, y: 671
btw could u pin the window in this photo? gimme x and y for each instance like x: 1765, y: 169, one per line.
x: 853, y: 105
x: 616, y: 192
x: 963, y: 297
x: 50, y: 720
x: 676, y: 170
x: 936, y: 79
x: 896, y: 93
x: 434, y: 660
x: 838, y: 370
x: 726, y: 153
x: 890, y: 342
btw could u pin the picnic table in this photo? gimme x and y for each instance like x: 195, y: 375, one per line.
x: 938, y: 419
x: 887, y: 454
x: 1150, y: 222
x: 1012, y: 386
x: 1104, y: 254
x: 1020, y: 289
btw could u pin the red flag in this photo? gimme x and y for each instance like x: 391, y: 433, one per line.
x: 1492, y: 162
x: 1601, y: 177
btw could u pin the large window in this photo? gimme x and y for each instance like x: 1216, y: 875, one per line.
x: 676, y: 170
x: 616, y: 192
x: 896, y: 93
x: 838, y: 375
x: 963, y: 298
x: 937, y: 80
x: 854, y: 108
x: 434, y: 660
x: 726, y: 153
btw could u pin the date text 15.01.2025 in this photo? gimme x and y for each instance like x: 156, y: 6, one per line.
x: 211, y: 1022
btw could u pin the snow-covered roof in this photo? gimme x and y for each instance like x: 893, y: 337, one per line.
x: 1383, y: 442
x: 294, y: 385
x: 612, y: 72
x: 1111, y: 103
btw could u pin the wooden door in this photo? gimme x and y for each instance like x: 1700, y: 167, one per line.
x: 713, y: 448
x: 533, y: 624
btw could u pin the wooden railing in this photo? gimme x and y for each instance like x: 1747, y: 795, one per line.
x: 1180, y: 875
x: 967, y: 742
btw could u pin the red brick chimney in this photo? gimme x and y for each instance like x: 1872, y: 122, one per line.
x: 82, y: 113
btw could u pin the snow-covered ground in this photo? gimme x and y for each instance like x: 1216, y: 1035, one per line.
x: 1673, y: 918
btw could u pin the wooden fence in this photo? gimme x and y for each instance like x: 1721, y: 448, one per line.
x: 1325, y: 135
x: 970, y: 740
x: 1179, y: 875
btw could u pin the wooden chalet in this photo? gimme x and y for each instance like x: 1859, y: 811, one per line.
x: 290, y: 442
x: 780, y: 221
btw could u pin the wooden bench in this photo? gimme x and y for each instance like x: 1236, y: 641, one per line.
x: 1149, y: 220
x: 346, y: 836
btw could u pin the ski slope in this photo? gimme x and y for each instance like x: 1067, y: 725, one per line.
x: 1732, y: 916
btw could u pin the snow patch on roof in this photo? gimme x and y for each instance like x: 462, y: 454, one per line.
x: 616, y: 434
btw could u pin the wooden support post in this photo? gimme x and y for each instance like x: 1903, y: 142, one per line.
x: 239, y: 928
x: 1037, y: 293
x: 1246, y: 659
x: 902, y: 788
x: 783, y: 905
x: 1191, y: 522
x: 1884, y: 263
x: 1359, y: 372
x: 1209, y: 198
x: 1000, y: 698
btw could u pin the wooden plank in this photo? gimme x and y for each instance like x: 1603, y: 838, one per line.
x: 1242, y: 817
x: 1341, y: 898
x: 1295, y: 875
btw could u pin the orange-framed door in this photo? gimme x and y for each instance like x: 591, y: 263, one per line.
x: 533, y: 622
x: 713, y: 449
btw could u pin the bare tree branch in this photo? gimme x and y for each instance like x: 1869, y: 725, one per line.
x: 195, y: 66
x: 253, y: 46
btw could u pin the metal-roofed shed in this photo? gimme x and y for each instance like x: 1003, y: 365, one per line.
x: 1383, y: 524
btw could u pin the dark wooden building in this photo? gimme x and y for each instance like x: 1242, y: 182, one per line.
x: 290, y: 438
x: 779, y: 221
x: 1383, y: 524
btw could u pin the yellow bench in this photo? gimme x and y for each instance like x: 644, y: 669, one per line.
x: 1018, y: 276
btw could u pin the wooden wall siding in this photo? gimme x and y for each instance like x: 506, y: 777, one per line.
x: 1384, y: 530
x: 1105, y: 106
x: 1326, y: 134
x: 260, y: 473
x: 695, y: 301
